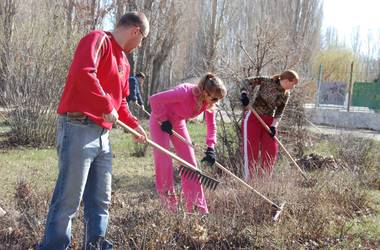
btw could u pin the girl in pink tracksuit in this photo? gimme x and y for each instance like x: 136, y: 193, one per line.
x: 270, y: 102
x: 170, y: 110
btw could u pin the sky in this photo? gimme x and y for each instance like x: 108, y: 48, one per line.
x: 344, y: 15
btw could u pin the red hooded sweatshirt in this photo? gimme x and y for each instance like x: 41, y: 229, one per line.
x: 97, y: 80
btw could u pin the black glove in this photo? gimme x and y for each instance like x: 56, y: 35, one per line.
x: 244, y: 99
x: 167, y: 127
x: 272, y: 132
x: 210, y: 157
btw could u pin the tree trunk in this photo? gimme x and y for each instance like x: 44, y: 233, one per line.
x: 69, y: 19
x: 120, y: 9
x: 8, y: 13
x: 93, y: 14
x: 211, y: 50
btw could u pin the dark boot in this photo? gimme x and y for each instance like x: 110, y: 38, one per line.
x: 99, y: 244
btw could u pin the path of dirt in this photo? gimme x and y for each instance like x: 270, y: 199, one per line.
x: 363, y: 133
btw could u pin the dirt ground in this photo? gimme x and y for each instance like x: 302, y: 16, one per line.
x: 328, y: 130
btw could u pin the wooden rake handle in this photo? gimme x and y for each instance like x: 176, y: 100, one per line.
x: 181, y: 138
x: 155, y: 145
x: 227, y: 171
x: 174, y: 132
x: 278, y: 141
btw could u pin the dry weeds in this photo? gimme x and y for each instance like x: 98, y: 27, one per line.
x: 313, y: 218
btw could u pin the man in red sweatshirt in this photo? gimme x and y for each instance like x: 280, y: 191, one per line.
x: 93, y: 99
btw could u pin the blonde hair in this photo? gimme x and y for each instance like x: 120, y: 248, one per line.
x: 212, y: 85
x: 289, y: 74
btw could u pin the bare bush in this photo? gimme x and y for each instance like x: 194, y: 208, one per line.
x: 355, y: 151
x: 360, y: 157
x: 33, y: 96
x: 35, y: 57
x: 139, y: 150
x: 36, y: 72
x: 292, y: 129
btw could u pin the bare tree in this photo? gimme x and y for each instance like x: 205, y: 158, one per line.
x: 69, y: 6
x: 166, y: 43
x: 356, y: 40
x: 331, y: 38
x: 155, y: 50
x: 7, y: 14
x: 89, y: 14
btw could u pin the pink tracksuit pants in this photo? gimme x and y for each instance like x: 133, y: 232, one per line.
x: 192, y: 190
x: 256, y: 139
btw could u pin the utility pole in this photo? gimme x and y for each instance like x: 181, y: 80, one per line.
x: 350, y: 88
x: 318, y: 85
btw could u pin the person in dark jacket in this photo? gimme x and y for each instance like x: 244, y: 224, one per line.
x: 134, y: 89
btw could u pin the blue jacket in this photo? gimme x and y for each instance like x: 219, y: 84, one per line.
x: 134, y: 91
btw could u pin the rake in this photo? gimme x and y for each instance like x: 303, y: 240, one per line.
x: 189, y: 171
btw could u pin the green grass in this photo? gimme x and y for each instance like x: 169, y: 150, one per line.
x: 40, y: 167
x: 36, y: 166
x: 362, y: 231
x: 367, y: 227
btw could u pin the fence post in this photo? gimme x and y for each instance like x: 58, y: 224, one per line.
x: 350, y: 88
x: 318, y: 85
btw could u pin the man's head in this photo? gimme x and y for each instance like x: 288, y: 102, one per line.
x: 131, y: 29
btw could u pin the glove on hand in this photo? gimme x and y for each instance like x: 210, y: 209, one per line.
x: 210, y: 157
x: 244, y: 99
x: 272, y: 132
x: 167, y: 127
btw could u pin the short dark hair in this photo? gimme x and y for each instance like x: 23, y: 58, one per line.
x: 133, y: 18
x: 141, y: 75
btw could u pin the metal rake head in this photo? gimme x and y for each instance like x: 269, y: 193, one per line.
x: 194, y: 174
x: 278, y: 211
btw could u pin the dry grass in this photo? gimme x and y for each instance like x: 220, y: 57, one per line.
x: 313, y: 217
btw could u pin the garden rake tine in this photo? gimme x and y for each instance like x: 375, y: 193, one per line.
x: 186, y: 166
x: 211, y: 183
x: 195, y: 174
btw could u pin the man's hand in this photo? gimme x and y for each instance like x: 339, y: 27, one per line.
x: 167, y: 127
x: 111, y: 117
x: 141, y: 139
x: 273, y: 131
x: 210, y: 156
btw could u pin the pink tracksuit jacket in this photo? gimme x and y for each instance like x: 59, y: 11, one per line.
x: 177, y: 105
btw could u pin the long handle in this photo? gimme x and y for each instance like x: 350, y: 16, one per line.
x: 174, y: 132
x: 278, y: 141
x: 180, y: 137
x: 153, y: 144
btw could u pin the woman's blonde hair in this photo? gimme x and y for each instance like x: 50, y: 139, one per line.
x: 289, y: 74
x: 212, y: 85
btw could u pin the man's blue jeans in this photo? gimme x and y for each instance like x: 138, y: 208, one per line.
x: 85, y: 165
